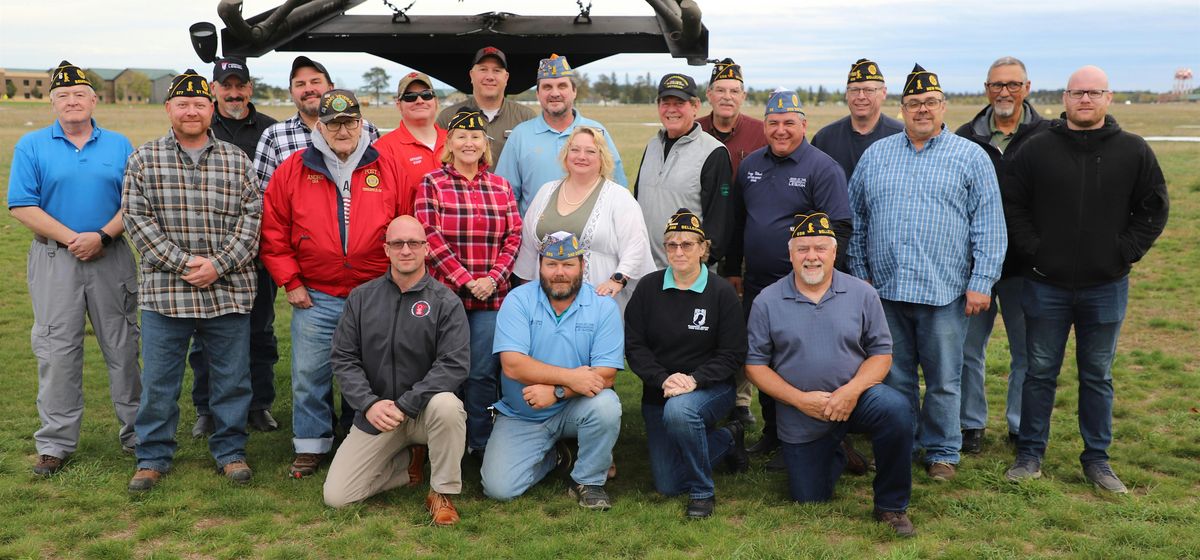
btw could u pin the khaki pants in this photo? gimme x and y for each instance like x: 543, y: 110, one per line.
x: 366, y: 465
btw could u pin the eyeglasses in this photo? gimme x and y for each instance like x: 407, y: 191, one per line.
x: 348, y: 125
x: 1092, y: 94
x: 913, y: 106
x: 996, y: 87
x: 857, y: 91
x: 412, y: 244
x: 409, y: 97
x: 687, y: 246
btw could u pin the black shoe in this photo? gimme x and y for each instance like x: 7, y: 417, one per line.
x: 776, y: 463
x: 766, y: 444
x: 700, y: 509
x: 737, y: 459
x: 1012, y: 439
x: 742, y: 415
x: 972, y: 441
x: 590, y: 497
x: 203, y: 426
x: 565, y: 462
x: 262, y: 421
x: 856, y: 463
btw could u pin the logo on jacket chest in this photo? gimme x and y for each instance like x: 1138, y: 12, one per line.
x: 372, y: 181
x: 699, y: 317
x: 420, y: 309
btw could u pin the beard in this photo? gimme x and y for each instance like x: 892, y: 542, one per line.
x: 1005, y: 111
x: 812, y: 277
x: 236, y: 111
x: 561, y: 294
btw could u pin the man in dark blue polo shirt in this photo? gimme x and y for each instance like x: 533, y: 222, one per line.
x: 773, y: 184
x: 65, y: 186
x: 847, y: 138
x: 819, y: 344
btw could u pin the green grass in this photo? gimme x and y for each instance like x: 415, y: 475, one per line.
x: 86, y: 513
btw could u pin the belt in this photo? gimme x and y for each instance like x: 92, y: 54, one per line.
x: 44, y: 241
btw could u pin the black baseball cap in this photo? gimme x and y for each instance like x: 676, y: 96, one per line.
x: 677, y: 85
x: 230, y: 66
x: 303, y: 61
x: 491, y: 51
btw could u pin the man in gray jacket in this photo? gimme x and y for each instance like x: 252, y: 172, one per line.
x: 399, y: 353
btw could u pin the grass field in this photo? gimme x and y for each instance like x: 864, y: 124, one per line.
x: 85, y: 511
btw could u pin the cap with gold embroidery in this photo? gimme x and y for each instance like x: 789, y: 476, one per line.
x: 189, y: 84
x: 466, y: 119
x: 337, y: 104
x: 677, y: 85
x: 864, y: 71
x: 920, y: 81
x: 785, y: 101
x: 684, y: 220
x: 554, y: 67
x: 561, y: 245
x: 67, y: 74
x: 726, y: 70
x: 810, y: 225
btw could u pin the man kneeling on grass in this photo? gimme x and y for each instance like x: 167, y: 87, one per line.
x: 400, y: 351
x: 560, y: 347
x: 820, y: 345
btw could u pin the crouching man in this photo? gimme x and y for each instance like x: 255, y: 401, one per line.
x: 400, y: 351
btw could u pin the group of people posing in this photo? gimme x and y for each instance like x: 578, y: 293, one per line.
x: 476, y: 278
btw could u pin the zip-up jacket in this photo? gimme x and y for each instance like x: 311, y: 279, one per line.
x: 402, y: 346
x: 306, y: 241
x: 979, y: 131
x: 1083, y: 205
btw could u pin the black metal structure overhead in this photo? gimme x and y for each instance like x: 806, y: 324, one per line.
x: 443, y: 46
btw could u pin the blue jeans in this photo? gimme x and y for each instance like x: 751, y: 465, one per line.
x: 483, y: 382
x: 522, y: 452
x: 164, y: 350
x: 1097, y: 314
x: 930, y: 337
x: 685, y: 443
x: 264, y: 352
x: 974, y: 408
x: 1006, y: 300
x: 312, y: 374
x: 1009, y: 291
x: 814, y: 467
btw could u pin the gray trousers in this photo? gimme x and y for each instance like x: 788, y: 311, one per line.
x: 63, y: 289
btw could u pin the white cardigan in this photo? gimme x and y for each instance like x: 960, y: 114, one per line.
x: 614, y: 239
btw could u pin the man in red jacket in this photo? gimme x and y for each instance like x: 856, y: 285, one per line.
x: 323, y: 229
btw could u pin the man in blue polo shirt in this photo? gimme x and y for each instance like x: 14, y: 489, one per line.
x: 65, y: 186
x: 774, y: 183
x: 820, y: 345
x: 530, y: 158
x: 560, y: 347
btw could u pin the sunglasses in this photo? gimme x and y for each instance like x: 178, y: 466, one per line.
x: 413, y: 95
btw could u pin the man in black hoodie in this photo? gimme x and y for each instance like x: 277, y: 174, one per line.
x: 1000, y: 128
x: 1084, y: 201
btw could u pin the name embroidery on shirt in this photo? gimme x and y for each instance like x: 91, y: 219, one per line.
x: 699, y: 316
x: 753, y: 176
x: 799, y: 182
x: 416, y: 160
x: 585, y: 327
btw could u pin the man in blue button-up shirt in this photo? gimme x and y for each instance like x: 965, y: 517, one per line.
x: 929, y: 235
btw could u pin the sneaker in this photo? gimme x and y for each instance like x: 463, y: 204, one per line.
x: 738, y: 459
x: 237, y: 471
x: 144, y: 479
x: 776, y: 463
x: 972, y: 441
x: 305, y: 464
x: 262, y: 421
x: 898, y: 520
x: 590, y: 497
x: 940, y: 471
x: 441, y: 508
x: 856, y: 463
x: 565, y: 461
x: 700, y: 509
x: 47, y: 465
x: 203, y: 426
x: 1024, y: 468
x: 742, y: 415
x: 1102, y: 477
x: 416, y: 465
x: 765, y: 444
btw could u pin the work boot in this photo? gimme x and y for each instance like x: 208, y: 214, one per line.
x: 738, y: 459
x: 305, y: 464
x: 742, y: 415
x: 441, y: 508
x: 972, y: 441
x: 940, y: 471
x: 237, y: 471
x: 262, y: 421
x: 203, y: 426
x: 700, y: 509
x: 144, y: 479
x: 47, y: 465
x: 898, y: 520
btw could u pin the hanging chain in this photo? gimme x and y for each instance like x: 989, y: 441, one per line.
x: 400, y: 15
x: 585, y: 14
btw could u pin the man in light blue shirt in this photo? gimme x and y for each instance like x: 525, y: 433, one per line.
x: 560, y: 347
x: 929, y: 235
x: 530, y: 158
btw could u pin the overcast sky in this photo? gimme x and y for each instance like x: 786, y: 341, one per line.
x: 778, y: 42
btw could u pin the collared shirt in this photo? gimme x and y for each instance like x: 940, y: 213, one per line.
x: 412, y: 156
x: 815, y: 345
x: 999, y: 139
x: 846, y: 146
x: 588, y: 333
x: 79, y: 187
x: 244, y: 132
x: 928, y: 224
x: 176, y: 209
x: 283, y: 139
x: 746, y: 136
x: 473, y: 230
x: 697, y: 286
x: 499, y: 127
x: 531, y: 160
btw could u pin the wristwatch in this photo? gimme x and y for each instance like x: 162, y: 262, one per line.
x: 560, y: 392
x: 105, y: 239
x: 620, y: 279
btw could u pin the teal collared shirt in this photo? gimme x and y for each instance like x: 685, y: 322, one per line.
x: 697, y: 286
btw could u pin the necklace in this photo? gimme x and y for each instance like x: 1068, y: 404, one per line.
x: 562, y: 191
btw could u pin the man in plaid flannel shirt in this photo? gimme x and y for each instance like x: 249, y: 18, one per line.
x: 193, y: 210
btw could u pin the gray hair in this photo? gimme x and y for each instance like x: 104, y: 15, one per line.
x: 1009, y: 61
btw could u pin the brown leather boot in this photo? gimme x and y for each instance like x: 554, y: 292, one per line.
x: 441, y: 508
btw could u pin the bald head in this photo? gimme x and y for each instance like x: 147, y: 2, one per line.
x: 1088, y: 77
x: 406, y: 228
x: 1087, y: 98
x: 406, y: 250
